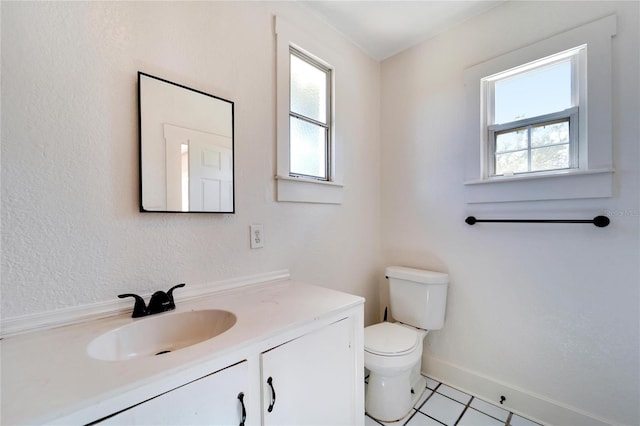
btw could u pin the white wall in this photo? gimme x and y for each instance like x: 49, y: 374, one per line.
x: 71, y: 230
x: 547, y: 315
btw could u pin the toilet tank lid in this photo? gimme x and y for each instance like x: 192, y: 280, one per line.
x: 416, y: 275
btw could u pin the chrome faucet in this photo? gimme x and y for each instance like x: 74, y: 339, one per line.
x: 160, y: 302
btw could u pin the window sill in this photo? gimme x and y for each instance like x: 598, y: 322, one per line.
x: 569, y: 184
x: 316, y: 181
x: 541, y: 175
x: 301, y: 190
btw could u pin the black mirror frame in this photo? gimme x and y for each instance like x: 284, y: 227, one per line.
x: 233, y: 156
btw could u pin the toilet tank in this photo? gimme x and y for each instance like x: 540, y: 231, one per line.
x: 417, y: 297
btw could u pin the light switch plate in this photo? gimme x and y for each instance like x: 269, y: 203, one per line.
x: 257, y: 236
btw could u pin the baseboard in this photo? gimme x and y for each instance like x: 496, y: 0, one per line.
x: 77, y: 314
x: 520, y: 401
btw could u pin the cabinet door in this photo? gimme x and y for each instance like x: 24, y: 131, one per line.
x: 211, y: 400
x: 313, y: 379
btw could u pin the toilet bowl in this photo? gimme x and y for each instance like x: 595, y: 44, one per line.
x: 393, y: 351
x: 393, y: 354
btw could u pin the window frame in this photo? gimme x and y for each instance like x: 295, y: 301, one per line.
x: 577, y: 56
x: 328, y: 114
x: 303, y: 189
x: 594, y: 177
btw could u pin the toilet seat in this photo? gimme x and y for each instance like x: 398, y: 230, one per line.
x: 390, y: 339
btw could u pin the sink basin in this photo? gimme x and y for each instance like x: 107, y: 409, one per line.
x: 158, y: 335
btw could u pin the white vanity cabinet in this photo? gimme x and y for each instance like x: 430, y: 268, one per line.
x: 311, y: 380
x: 216, y: 399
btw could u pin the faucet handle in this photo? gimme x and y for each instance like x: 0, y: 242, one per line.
x: 170, y: 292
x: 162, y: 302
x: 140, y: 308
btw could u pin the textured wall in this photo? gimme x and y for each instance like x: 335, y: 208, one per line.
x: 550, y: 309
x: 71, y: 230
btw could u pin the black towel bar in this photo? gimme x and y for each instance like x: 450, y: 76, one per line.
x: 599, y: 221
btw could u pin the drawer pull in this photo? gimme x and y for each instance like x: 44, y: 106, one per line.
x: 244, y: 411
x: 273, y: 394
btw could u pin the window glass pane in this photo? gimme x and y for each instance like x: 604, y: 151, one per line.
x: 550, y: 134
x: 307, y: 148
x: 550, y: 158
x: 512, y: 162
x: 511, y: 141
x: 530, y: 94
x: 308, y: 90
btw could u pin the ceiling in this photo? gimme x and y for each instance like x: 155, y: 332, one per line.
x: 384, y: 28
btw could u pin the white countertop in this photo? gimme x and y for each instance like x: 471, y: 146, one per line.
x: 48, y: 375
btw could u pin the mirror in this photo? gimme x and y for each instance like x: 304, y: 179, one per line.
x: 186, y: 148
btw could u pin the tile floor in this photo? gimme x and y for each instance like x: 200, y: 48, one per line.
x: 444, y: 405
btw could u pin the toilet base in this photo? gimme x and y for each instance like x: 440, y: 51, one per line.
x: 389, y: 399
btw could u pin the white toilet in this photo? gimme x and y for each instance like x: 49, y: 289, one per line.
x: 393, y: 351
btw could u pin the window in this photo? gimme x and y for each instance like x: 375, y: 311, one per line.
x: 310, y: 161
x: 529, y: 133
x: 532, y: 115
x: 309, y: 117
